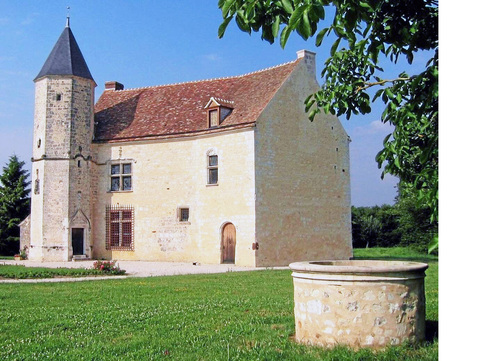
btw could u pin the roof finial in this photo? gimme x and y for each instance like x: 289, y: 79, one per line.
x: 67, y: 17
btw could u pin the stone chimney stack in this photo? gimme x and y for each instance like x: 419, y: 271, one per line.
x: 113, y: 85
x: 310, y: 60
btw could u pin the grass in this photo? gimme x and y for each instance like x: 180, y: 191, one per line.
x: 395, y: 253
x: 231, y: 316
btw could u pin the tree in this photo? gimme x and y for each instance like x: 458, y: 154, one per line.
x: 367, y: 31
x: 370, y: 227
x: 14, y: 204
x: 365, y: 231
x: 415, y: 223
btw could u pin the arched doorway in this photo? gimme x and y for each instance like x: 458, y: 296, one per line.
x: 228, y: 243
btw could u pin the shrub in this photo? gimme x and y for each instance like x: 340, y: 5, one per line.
x: 108, y: 267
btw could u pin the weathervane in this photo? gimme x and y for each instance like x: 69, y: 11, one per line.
x: 67, y: 16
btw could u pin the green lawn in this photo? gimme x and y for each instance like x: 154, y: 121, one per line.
x: 231, y: 316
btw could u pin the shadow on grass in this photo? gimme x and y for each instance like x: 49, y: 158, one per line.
x: 431, y: 330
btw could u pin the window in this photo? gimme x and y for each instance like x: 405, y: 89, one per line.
x: 217, y: 110
x: 213, y: 118
x: 58, y: 97
x: 120, y: 228
x: 183, y: 214
x: 213, y: 169
x: 121, y: 177
x: 36, y: 189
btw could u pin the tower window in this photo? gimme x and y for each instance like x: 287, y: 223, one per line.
x: 58, y: 97
x: 36, y: 189
x: 121, y: 177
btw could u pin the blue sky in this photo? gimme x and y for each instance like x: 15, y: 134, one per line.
x: 151, y: 43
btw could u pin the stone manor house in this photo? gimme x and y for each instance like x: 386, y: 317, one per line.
x: 226, y: 170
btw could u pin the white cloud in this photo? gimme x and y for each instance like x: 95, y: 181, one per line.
x: 212, y: 57
x: 376, y: 126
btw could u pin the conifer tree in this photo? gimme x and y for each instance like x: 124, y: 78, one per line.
x: 14, y: 204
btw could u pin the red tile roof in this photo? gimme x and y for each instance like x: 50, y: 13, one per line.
x: 178, y: 109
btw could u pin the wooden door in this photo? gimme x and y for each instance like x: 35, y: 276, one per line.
x: 77, y: 241
x: 228, y: 243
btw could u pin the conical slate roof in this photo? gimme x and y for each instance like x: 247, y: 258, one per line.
x: 65, y: 58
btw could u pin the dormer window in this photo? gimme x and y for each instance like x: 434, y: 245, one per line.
x: 213, y: 118
x: 217, y: 110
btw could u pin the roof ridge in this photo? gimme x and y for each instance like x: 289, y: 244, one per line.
x: 212, y: 79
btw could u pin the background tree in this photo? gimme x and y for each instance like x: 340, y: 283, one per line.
x: 14, y: 204
x: 415, y: 225
x: 366, y: 31
x: 370, y: 227
x: 387, y: 235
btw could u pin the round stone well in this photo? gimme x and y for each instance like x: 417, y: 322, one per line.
x: 359, y: 303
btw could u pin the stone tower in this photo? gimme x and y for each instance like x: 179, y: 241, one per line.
x: 61, y: 163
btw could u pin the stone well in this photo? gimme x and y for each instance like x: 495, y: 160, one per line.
x: 359, y: 303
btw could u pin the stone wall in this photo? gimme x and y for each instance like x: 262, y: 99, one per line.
x: 24, y: 234
x: 360, y: 306
x: 172, y: 173
x: 62, y: 129
x: 303, y: 204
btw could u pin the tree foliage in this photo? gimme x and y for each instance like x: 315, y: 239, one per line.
x: 415, y: 219
x: 14, y: 204
x: 407, y: 223
x: 363, y: 33
x: 387, y: 235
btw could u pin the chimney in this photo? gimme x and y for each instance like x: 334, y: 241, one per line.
x: 113, y: 85
x: 310, y: 60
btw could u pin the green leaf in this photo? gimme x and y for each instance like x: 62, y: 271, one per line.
x: 304, y: 27
x: 320, y: 36
x: 285, y: 34
x: 287, y: 6
x: 223, y: 26
x: 276, y: 26
x: 365, y: 5
x: 334, y: 47
x: 226, y: 6
x: 433, y: 244
x: 389, y: 93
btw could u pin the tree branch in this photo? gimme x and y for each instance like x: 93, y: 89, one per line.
x: 381, y: 82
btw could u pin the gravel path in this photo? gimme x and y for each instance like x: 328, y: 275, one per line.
x: 134, y: 269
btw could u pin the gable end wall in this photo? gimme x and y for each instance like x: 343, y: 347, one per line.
x: 303, y: 203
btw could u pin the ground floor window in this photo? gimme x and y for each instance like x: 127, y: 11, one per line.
x: 120, y: 228
x: 183, y: 214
